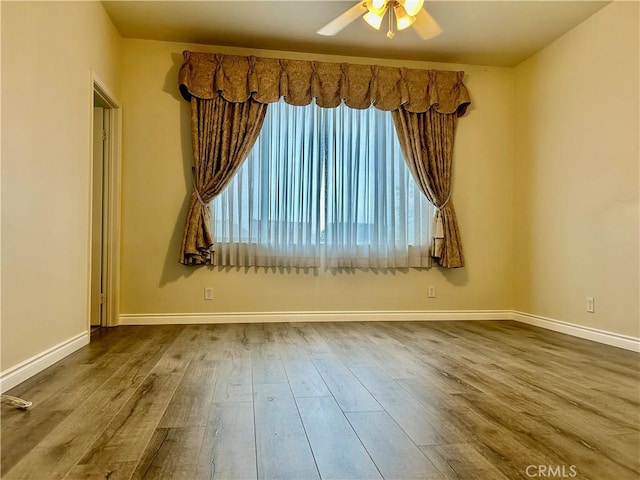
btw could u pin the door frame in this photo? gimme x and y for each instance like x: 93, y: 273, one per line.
x: 112, y: 179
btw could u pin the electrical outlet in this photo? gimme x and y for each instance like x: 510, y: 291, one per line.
x: 208, y: 293
x: 590, y: 305
x: 431, y: 292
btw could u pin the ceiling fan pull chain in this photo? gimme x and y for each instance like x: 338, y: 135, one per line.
x: 390, y: 33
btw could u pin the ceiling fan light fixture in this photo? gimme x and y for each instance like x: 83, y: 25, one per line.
x: 412, y: 7
x: 376, y: 5
x: 374, y: 19
x: 403, y: 20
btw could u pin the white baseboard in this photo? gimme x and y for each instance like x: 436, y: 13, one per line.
x: 27, y: 369
x: 600, y: 336
x: 330, y: 316
x: 593, y: 334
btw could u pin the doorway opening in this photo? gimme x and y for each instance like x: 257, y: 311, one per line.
x: 104, y: 225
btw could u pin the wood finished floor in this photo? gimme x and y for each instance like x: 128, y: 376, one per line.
x: 439, y: 400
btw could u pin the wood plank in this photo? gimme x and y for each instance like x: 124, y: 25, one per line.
x: 283, y: 450
x: 418, y: 422
x: 345, y: 387
x: 233, y: 376
x: 393, y: 452
x: 352, y: 349
x: 191, y: 403
x: 309, y: 337
x: 266, y: 364
x: 303, y: 377
x: 115, y: 471
x: 337, y: 450
x: 258, y: 333
x: 229, y: 449
x: 172, y: 454
x: 461, y: 461
x: 628, y: 443
x: 213, y: 339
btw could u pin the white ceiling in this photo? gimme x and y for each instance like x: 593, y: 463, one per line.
x: 475, y: 32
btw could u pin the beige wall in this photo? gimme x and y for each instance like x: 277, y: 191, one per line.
x: 551, y: 168
x: 157, y: 178
x: 48, y: 52
x: 576, y: 175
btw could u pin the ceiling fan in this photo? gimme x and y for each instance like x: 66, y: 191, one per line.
x: 407, y: 13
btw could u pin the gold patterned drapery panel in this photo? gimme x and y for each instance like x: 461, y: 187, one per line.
x: 238, y: 78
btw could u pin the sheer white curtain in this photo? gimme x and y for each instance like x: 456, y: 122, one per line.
x: 323, y: 187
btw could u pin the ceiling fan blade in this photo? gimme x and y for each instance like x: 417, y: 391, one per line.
x: 425, y: 25
x: 341, y: 21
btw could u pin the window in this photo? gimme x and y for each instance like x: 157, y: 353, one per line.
x: 323, y: 187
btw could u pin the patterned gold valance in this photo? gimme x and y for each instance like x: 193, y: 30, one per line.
x: 236, y: 78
